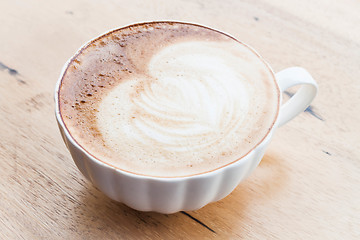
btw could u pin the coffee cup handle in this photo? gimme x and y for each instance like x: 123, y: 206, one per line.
x: 290, y: 77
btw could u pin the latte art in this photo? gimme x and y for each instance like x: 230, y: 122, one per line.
x: 193, y: 105
x: 196, y: 102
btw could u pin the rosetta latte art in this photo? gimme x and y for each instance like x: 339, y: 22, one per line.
x: 188, y: 104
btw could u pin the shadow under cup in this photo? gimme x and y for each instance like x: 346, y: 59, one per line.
x: 191, y: 192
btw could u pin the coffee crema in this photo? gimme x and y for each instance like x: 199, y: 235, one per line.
x: 168, y: 99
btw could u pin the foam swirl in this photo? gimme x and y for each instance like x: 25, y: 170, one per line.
x: 190, y: 106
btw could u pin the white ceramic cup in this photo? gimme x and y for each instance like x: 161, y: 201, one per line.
x: 170, y: 195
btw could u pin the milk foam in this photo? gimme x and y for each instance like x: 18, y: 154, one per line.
x: 168, y: 100
x: 195, y: 99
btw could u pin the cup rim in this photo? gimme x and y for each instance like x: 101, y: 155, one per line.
x: 70, y: 138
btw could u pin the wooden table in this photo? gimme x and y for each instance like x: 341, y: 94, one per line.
x: 307, y: 185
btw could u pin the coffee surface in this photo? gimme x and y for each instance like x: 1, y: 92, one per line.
x: 168, y: 99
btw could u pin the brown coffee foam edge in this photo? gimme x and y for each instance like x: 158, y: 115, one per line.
x: 93, y: 157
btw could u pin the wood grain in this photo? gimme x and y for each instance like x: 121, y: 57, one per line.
x: 307, y: 185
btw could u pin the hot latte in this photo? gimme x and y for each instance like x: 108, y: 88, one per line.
x: 168, y: 99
